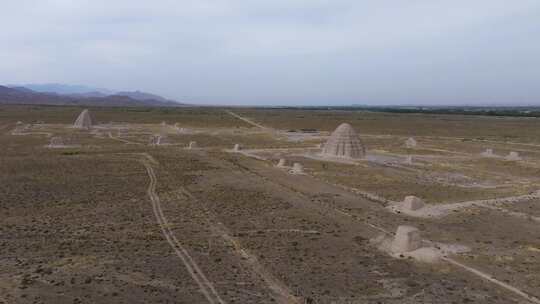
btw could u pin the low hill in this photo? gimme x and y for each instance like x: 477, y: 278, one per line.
x: 138, y: 95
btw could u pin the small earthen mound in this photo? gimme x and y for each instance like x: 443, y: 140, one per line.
x: 412, y: 203
x: 56, y: 142
x: 488, y: 153
x: 153, y: 140
x: 410, y: 143
x: 407, y: 239
x: 157, y: 140
x: 297, y: 168
x: 163, y: 140
x: 409, y: 160
x: 513, y: 156
x: 122, y: 132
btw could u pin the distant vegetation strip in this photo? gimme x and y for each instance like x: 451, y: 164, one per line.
x: 532, y: 111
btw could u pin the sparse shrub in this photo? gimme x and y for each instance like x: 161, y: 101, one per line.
x: 70, y: 153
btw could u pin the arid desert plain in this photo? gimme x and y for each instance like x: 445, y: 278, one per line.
x: 241, y: 205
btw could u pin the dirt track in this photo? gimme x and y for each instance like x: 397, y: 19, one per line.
x: 281, y: 291
x: 249, y: 121
x: 207, y: 288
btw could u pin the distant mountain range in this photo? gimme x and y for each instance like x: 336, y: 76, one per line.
x: 61, y: 94
x: 63, y: 89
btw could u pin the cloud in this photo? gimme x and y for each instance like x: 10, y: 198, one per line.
x: 281, y: 51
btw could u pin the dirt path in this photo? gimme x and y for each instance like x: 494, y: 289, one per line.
x: 441, y: 210
x: 491, y: 279
x: 281, y: 293
x: 47, y: 134
x: 520, y: 215
x: 249, y: 121
x: 493, y: 141
x: 306, y: 196
x: 476, y: 272
x: 205, y: 285
x: 123, y: 140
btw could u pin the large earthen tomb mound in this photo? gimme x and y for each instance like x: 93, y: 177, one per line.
x: 344, y: 143
x: 84, y: 121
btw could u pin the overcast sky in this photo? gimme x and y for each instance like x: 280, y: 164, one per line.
x: 282, y: 52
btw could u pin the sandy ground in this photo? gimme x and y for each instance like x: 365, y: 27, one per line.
x: 118, y: 220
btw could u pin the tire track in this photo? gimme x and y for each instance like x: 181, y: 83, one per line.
x: 205, y: 285
x: 281, y: 292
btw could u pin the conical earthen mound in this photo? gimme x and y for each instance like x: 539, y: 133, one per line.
x: 344, y: 142
x: 84, y: 121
